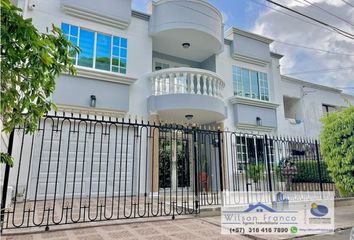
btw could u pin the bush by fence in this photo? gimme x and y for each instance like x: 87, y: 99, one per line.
x: 307, y: 171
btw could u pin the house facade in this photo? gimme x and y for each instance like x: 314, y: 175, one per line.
x: 171, y: 65
x: 176, y: 64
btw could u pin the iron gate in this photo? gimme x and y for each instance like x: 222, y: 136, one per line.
x: 77, y: 169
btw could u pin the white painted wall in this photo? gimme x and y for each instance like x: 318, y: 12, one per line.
x: 311, y: 98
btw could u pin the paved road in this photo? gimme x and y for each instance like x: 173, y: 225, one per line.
x: 184, y: 229
x: 339, y: 235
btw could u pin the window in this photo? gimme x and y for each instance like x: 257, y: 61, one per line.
x: 328, y: 109
x: 251, y: 84
x: 98, y: 50
x: 251, y: 150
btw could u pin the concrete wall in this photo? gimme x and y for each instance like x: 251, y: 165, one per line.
x: 245, y: 114
x: 77, y: 91
x: 174, y: 59
x: 209, y: 63
x: 119, y: 10
x: 191, y: 14
x: 250, y: 47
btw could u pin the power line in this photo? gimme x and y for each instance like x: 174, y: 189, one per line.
x: 313, y: 49
x: 348, y: 3
x: 340, y: 31
x: 320, y: 70
x: 328, y: 12
x: 295, y: 17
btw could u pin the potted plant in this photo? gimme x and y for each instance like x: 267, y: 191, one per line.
x: 256, y: 173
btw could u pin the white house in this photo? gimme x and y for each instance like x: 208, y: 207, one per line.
x: 176, y: 60
x: 173, y: 64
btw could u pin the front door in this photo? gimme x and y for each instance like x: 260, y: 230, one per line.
x: 174, y: 159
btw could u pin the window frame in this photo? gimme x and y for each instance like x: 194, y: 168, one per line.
x: 238, y: 81
x: 120, y: 68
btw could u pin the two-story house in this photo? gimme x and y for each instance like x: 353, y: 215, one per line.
x: 173, y: 64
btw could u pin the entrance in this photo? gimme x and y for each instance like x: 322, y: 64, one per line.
x: 175, y: 160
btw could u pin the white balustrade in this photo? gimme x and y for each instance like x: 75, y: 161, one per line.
x: 186, y: 81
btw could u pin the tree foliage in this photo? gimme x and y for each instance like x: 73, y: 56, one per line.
x: 337, y: 148
x: 30, y: 62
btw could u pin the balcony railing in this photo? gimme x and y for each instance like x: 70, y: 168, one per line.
x: 187, y: 81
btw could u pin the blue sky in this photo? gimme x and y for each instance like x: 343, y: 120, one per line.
x: 238, y: 13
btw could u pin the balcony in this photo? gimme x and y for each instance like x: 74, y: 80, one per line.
x: 177, y: 92
x: 195, y: 22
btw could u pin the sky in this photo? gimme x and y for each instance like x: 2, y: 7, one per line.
x: 258, y: 16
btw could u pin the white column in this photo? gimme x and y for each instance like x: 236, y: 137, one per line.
x: 198, y: 84
x: 217, y: 88
x: 212, y: 86
x: 153, y: 86
x: 163, y: 84
x: 185, y: 83
x: 221, y: 89
x: 192, y: 83
x: 171, y: 82
x: 204, y: 85
x: 158, y: 85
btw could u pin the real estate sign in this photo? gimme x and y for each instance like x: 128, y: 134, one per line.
x: 290, y: 213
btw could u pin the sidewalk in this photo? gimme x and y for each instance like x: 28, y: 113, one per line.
x: 181, y: 228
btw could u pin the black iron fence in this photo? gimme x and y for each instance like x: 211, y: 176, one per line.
x: 77, y: 169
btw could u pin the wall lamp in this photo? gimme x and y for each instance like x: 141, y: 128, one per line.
x: 259, y: 121
x: 93, y: 101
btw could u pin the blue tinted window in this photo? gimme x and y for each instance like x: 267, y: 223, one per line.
x: 123, y: 62
x: 123, y: 42
x: 116, y: 41
x: 103, y: 52
x: 254, y: 85
x: 115, y: 51
x: 248, y: 83
x: 86, y: 45
x: 123, y: 53
x: 65, y: 28
x: 74, y: 30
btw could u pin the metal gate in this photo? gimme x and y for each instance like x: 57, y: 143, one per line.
x: 77, y: 169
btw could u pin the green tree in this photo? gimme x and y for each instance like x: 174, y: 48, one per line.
x: 30, y: 62
x: 337, y: 148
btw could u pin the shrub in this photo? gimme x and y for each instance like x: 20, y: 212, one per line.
x: 307, y: 171
x: 337, y: 148
x: 255, y: 171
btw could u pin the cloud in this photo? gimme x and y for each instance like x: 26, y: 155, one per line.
x: 283, y: 28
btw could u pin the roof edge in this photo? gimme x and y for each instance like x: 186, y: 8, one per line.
x: 233, y: 30
x: 310, y: 84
